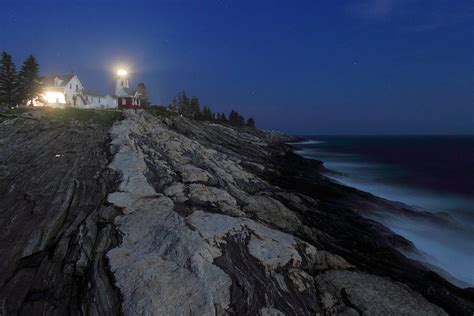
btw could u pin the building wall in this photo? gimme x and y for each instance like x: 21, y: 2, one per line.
x: 129, y: 103
x: 121, y: 83
x: 100, y: 102
x: 63, y: 96
x: 110, y: 102
x: 93, y: 101
x: 71, y: 90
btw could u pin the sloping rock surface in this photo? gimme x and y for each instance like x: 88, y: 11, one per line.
x: 55, y: 223
x: 204, y: 235
x: 170, y: 216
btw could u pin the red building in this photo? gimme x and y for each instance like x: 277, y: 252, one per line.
x: 129, y: 102
x: 126, y: 97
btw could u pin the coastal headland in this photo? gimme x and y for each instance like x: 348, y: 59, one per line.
x: 107, y: 212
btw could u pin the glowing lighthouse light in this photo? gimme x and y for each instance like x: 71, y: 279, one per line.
x: 122, y: 72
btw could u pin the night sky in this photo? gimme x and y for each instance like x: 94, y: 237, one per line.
x: 304, y: 67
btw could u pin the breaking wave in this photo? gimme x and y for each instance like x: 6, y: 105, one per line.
x: 450, y: 249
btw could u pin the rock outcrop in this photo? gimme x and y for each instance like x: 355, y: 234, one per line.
x: 56, y: 225
x: 169, y: 216
x: 202, y: 234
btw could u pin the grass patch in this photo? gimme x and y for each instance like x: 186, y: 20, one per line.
x: 98, y: 116
x: 15, y: 111
x: 106, y: 117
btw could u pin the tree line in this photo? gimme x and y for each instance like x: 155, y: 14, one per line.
x: 22, y: 87
x: 189, y: 107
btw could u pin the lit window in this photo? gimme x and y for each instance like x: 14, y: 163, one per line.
x: 54, y: 97
x: 124, y: 101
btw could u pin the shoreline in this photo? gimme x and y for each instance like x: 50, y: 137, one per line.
x: 408, y: 271
x: 407, y: 215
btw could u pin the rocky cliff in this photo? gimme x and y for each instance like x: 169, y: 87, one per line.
x: 169, y: 216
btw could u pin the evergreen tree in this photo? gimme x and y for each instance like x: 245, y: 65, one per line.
x: 180, y: 102
x: 184, y: 101
x: 233, y: 118
x: 251, y: 122
x: 9, y: 94
x: 144, y: 100
x: 223, y: 118
x: 174, y: 105
x: 29, y: 81
x: 184, y: 105
x: 203, y: 114
x: 207, y: 114
x: 240, y: 120
x: 194, y: 108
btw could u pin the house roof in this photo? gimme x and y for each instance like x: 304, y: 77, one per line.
x: 48, y: 81
x: 129, y: 91
x: 92, y: 93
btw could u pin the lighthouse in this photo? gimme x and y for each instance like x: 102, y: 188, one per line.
x: 122, y: 81
x: 126, y: 97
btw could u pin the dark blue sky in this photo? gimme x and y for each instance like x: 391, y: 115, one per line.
x: 308, y: 67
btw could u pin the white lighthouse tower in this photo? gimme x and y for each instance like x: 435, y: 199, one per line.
x: 121, y: 85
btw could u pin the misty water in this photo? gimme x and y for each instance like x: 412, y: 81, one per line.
x: 430, y: 173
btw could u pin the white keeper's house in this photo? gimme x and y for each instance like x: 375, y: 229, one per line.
x: 68, y: 90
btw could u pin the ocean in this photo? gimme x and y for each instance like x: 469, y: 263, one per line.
x: 430, y: 173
